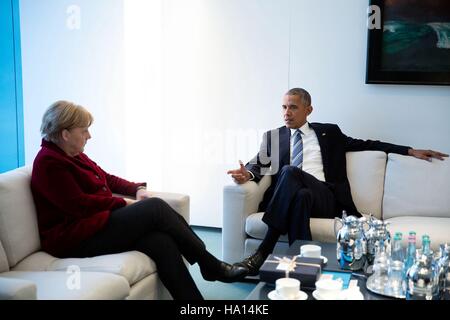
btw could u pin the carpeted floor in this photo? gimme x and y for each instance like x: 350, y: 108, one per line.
x: 217, y: 290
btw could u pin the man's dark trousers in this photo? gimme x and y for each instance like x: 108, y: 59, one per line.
x: 297, y: 197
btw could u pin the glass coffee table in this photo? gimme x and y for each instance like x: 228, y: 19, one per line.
x: 261, y: 291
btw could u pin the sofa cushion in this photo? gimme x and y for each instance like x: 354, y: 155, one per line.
x: 416, y: 187
x: 133, y: 265
x: 4, y: 266
x: 64, y: 286
x: 256, y: 228
x: 322, y: 230
x: 149, y: 288
x: 38, y: 261
x: 366, y: 171
x: 436, y: 228
x: 18, y: 223
x: 17, y: 289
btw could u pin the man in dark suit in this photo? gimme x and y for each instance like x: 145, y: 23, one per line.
x: 309, y: 175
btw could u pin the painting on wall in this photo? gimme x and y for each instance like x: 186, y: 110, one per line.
x: 411, y: 45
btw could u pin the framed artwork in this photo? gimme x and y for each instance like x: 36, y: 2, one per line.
x: 411, y: 44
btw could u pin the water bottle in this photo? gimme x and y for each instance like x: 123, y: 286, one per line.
x: 397, y: 248
x: 410, y: 252
x: 396, y: 281
x: 422, y: 278
x: 379, y: 279
x: 443, y: 270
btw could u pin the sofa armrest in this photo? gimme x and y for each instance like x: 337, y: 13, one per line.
x: 17, y: 289
x: 239, y: 201
x: 179, y: 202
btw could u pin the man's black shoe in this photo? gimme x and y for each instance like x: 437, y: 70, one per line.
x: 227, y: 273
x: 253, y: 263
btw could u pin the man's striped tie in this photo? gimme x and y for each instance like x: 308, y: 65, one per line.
x: 297, y: 149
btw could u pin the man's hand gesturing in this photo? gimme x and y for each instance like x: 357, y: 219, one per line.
x: 240, y: 175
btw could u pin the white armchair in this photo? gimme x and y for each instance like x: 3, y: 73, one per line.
x: 28, y: 273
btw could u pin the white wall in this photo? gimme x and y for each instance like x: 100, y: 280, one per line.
x: 191, y: 85
x: 75, y: 59
x: 228, y: 63
x: 225, y: 64
x: 328, y: 57
x: 143, y: 91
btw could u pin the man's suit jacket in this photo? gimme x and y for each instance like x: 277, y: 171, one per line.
x: 333, y: 145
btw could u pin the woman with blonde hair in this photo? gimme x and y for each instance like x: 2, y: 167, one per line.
x: 78, y: 216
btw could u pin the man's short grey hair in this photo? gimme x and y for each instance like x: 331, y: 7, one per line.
x: 63, y: 115
x: 304, y: 95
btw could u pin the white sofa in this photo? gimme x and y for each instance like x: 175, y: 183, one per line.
x: 28, y: 273
x: 412, y: 194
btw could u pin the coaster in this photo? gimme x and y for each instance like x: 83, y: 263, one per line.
x: 316, y: 296
x: 273, y: 295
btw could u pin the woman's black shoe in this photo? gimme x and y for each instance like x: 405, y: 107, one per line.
x: 226, y: 273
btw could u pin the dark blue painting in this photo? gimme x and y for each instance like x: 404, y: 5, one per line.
x: 413, y: 44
